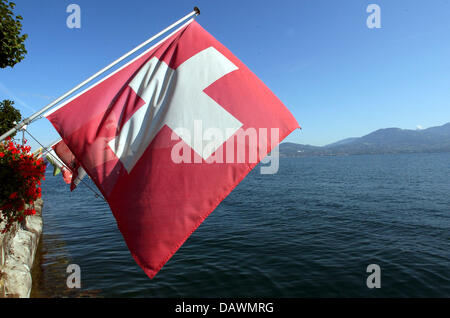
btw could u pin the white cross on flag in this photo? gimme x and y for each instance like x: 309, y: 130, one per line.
x: 187, y: 97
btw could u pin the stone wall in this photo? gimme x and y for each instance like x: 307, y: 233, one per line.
x: 17, y: 251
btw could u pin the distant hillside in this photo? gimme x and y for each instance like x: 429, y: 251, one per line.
x: 389, y: 140
x: 342, y: 142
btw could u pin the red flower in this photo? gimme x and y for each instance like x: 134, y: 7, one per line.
x: 28, y: 171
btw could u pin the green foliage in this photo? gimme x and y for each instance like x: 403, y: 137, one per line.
x: 8, y: 115
x: 12, y: 48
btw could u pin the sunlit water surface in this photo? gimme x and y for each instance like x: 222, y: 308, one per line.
x: 310, y: 230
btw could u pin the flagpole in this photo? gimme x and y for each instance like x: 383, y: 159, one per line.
x: 103, y: 70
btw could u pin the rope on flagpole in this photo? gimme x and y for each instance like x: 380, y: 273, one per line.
x: 97, y: 195
x: 30, y: 119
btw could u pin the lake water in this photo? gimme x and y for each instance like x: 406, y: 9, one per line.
x: 309, y: 231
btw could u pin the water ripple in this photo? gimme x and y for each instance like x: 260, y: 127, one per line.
x: 308, y: 231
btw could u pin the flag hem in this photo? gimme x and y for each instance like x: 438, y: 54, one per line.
x: 151, y: 273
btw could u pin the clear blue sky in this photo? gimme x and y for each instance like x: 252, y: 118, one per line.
x: 339, y: 78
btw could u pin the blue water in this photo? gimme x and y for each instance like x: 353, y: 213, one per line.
x: 310, y: 230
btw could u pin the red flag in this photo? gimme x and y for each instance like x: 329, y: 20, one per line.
x: 134, y: 134
x: 65, y: 155
x: 75, y: 173
x: 67, y: 175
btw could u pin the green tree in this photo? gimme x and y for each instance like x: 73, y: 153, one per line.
x: 12, y: 48
x: 8, y: 116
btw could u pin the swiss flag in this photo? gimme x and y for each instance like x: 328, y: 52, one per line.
x: 76, y: 173
x: 130, y: 130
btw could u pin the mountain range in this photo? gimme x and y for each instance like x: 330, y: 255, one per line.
x: 382, y: 141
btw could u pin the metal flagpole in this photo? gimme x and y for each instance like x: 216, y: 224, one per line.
x: 45, y: 149
x: 56, y: 158
x: 62, y: 97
